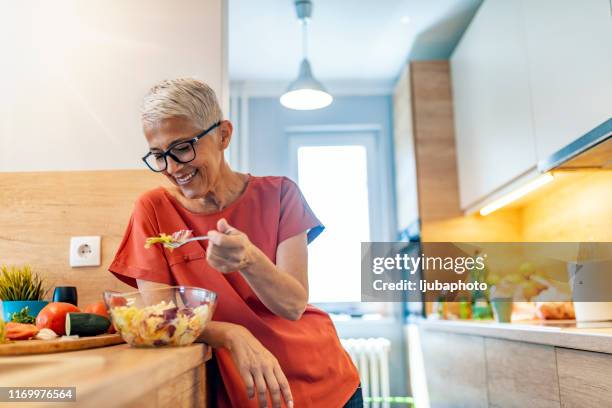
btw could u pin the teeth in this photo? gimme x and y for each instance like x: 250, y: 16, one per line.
x: 183, y: 180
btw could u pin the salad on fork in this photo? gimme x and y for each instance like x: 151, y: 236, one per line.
x: 173, y: 241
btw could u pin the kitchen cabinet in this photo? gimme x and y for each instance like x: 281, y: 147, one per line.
x: 585, y: 378
x: 493, y: 124
x: 448, y: 357
x: 432, y: 111
x: 529, y: 77
x: 516, y: 378
x: 480, y: 363
x: 404, y: 149
x: 569, y: 49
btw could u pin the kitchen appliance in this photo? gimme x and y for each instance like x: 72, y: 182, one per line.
x: 591, y: 284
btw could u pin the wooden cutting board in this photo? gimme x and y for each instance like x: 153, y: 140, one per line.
x: 27, y: 347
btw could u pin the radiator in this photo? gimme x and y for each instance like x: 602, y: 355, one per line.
x: 371, y: 357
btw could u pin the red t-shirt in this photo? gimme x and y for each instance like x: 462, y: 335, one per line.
x: 270, y: 210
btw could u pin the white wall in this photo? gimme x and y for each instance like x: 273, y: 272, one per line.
x: 74, y: 72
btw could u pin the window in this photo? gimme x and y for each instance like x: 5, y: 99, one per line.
x: 334, y: 180
x: 336, y: 174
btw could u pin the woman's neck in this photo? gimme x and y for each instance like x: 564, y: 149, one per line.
x: 225, y: 190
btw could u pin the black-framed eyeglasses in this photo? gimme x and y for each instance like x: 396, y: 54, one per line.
x: 181, y: 152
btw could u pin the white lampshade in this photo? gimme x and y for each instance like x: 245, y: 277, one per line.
x: 306, y: 93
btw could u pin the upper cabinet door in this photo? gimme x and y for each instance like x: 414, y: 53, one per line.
x: 569, y: 47
x: 493, y: 123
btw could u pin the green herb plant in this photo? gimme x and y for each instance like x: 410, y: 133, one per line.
x: 22, y: 316
x: 21, y: 284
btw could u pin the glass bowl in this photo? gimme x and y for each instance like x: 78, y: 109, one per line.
x: 169, y: 316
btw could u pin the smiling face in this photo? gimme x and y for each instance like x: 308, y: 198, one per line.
x: 196, y: 178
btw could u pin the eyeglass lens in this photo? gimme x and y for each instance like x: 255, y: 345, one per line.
x: 182, y: 153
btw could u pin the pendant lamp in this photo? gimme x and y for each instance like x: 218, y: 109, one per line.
x: 305, y: 93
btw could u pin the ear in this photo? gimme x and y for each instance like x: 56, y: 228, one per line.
x: 225, y: 130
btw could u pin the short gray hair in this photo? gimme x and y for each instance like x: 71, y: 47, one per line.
x: 182, y: 97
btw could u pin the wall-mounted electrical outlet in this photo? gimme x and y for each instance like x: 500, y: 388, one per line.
x: 85, y: 251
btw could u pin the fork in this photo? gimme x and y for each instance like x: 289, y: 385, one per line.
x: 175, y: 244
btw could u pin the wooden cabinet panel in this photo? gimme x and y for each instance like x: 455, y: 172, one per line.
x: 493, y: 122
x: 432, y: 109
x: 455, y: 369
x: 464, y: 370
x: 569, y: 48
x: 585, y: 378
x: 186, y: 390
x: 521, y: 374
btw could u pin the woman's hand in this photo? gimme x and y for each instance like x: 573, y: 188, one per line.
x: 259, y: 369
x: 283, y: 289
x: 228, y: 249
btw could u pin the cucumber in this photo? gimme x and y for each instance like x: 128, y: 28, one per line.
x: 86, y: 324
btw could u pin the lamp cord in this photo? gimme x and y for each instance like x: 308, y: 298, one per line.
x: 304, y: 37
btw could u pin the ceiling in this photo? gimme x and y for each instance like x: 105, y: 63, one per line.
x: 348, y: 39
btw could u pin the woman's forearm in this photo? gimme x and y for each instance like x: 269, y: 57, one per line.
x: 219, y: 334
x: 260, y: 370
x: 280, y: 292
x: 282, y: 288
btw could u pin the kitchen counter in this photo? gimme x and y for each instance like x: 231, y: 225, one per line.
x: 484, y: 363
x: 546, y: 333
x: 115, y: 376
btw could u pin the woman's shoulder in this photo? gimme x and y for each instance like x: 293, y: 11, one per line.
x: 151, y: 199
x: 280, y: 184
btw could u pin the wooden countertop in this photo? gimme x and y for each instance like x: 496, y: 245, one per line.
x: 108, y: 376
x: 589, y: 339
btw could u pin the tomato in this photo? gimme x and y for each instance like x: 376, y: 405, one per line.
x: 20, y: 331
x: 117, y: 301
x: 53, y: 316
x: 99, y: 308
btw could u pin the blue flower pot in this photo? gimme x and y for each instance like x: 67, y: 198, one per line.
x: 13, y: 306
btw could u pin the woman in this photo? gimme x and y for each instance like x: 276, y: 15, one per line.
x: 270, y: 345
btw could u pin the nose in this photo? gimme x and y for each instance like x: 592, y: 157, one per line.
x: 173, y: 166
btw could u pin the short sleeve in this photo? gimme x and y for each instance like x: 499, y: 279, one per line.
x: 134, y: 261
x: 295, y: 214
